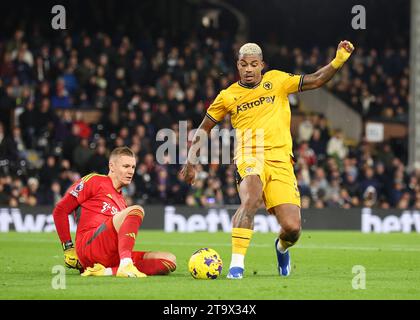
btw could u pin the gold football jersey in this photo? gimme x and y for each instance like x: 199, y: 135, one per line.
x: 260, y: 115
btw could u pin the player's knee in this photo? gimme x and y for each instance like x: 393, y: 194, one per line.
x: 136, y: 210
x: 169, y: 260
x: 170, y: 257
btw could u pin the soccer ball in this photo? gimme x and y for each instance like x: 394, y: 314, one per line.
x: 205, y: 263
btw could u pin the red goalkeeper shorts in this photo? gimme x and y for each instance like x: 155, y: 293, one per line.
x: 100, y: 245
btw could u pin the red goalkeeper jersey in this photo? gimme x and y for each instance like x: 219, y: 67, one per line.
x: 95, y: 200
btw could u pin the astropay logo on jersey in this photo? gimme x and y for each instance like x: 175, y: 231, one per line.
x: 249, y: 105
x: 407, y: 222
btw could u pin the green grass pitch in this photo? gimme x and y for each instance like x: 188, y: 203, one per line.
x: 322, y: 268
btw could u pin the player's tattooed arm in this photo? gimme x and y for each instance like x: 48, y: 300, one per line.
x: 203, y: 130
x: 323, y: 75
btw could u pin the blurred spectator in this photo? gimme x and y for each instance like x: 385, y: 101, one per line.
x: 369, y: 181
x: 81, y: 156
x: 336, y: 146
x: 307, y: 154
x: 7, y: 106
x: 98, y: 162
x: 7, y: 147
x: 84, y: 130
x: 4, y: 197
x: 305, y: 130
x: 32, y: 195
x: 317, y: 145
x: 231, y: 196
x: 49, y: 172
x: 61, y: 98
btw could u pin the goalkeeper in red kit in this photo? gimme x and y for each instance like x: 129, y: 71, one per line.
x: 106, y: 227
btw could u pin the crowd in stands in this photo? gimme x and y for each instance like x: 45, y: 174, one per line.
x: 142, y: 86
x: 373, y: 82
x: 333, y: 174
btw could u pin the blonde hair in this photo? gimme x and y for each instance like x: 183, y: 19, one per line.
x: 122, y: 151
x: 250, y: 48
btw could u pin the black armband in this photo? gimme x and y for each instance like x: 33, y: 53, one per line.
x: 67, y: 245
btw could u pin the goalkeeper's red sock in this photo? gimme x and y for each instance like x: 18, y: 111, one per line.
x: 152, y: 266
x: 128, y: 232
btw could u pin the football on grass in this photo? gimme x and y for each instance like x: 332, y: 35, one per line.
x: 205, y: 263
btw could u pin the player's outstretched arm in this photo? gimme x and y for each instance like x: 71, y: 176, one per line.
x: 61, y: 220
x: 323, y: 75
x: 188, y: 171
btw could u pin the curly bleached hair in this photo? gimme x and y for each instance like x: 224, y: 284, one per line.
x: 250, y: 49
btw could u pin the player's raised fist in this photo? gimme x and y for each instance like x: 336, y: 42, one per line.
x: 347, y: 45
x: 344, y: 50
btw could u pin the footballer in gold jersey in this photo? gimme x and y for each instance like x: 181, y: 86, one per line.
x: 259, y: 110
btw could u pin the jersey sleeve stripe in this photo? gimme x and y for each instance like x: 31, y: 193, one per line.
x: 211, y: 118
x: 301, y: 82
x: 89, y: 176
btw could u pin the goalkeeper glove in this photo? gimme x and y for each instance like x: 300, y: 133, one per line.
x: 70, y: 256
x: 342, y: 55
